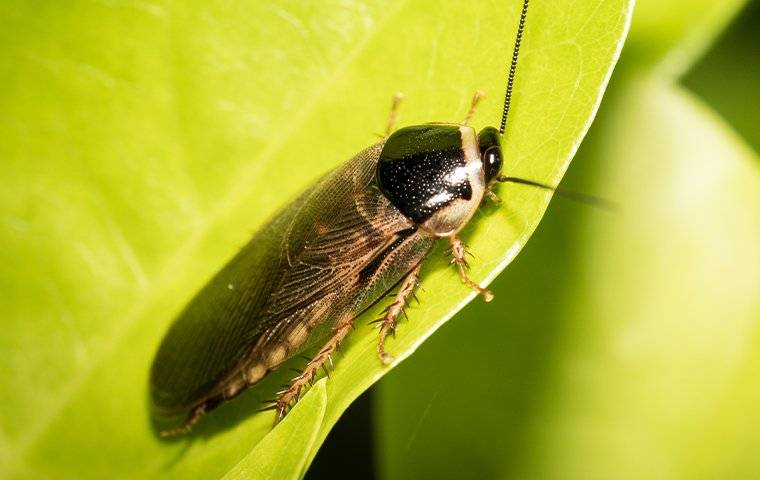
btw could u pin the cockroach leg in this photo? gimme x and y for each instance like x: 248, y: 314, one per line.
x: 288, y: 397
x: 493, y: 197
x: 393, y: 116
x: 476, y: 98
x: 184, y: 427
x: 192, y: 418
x: 459, y: 252
x: 392, y: 313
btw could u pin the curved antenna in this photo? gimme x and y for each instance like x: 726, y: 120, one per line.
x: 513, y: 68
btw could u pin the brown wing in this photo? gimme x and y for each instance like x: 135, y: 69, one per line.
x: 332, y: 252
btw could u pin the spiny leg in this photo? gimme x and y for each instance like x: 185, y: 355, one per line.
x: 388, y: 322
x: 458, y: 253
x: 393, y: 116
x: 476, y: 98
x: 288, y: 397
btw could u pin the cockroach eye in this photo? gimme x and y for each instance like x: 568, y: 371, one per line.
x: 490, y: 152
x: 492, y: 162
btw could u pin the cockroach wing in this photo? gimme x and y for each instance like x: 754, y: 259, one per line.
x: 329, y: 255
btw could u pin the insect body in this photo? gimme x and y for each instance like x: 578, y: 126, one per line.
x: 338, y: 249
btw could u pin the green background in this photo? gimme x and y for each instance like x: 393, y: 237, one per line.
x: 142, y: 141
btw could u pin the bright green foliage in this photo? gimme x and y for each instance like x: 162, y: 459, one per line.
x: 143, y: 141
x: 619, y: 345
x: 296, y: 434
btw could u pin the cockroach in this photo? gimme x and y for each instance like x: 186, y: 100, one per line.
x: 360, y: 232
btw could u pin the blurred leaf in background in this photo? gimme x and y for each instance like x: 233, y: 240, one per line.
x: 141, y: 141
x: 619, y: 345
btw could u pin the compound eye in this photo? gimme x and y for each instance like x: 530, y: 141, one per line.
x: 492, y: 162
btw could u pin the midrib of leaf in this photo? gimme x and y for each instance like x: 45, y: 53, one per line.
x: 229, y: 202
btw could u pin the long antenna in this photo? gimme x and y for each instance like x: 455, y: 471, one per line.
x: 572, y: 195
x: 513, y: 68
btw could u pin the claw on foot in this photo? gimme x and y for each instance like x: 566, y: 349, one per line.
x: 459, y: 253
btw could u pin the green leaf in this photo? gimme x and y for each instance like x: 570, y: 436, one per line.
x: 295, y: 434
x: 732, y: 61
x: 142, y: 142
x: 687, y: 329
x: 627, y: 344
x: 669, y: 35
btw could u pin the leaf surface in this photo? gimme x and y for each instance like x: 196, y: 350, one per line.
x: 293, y: 435
x: 143, y: 142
